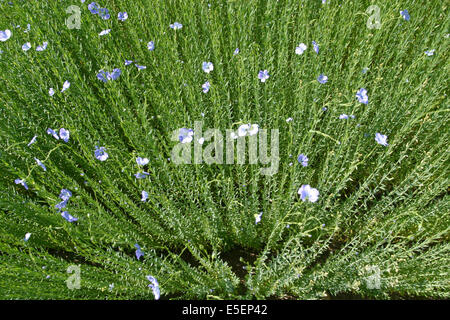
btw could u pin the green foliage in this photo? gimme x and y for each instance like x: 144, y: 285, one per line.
x: 380, y: 208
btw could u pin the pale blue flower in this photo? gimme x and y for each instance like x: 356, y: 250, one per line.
x: 142, y: 175
x: 102, y: 76
x: 263, y: 75
x: 236, y: 51
x: 151, y: 46
x: 64, y: 134
x: 185, y: 135
x: 40, y: 164
x: 258, y: 217
x: 140, y: 67
x: 53, y: 133
x: 66, y: 86
x: 206, y: 86
x: 114, y: 74
x: 22, y: 182
x: 93, y: 8
x: 343, y: 116
x: 381, y: 139
x: 247, y: 129
x: 405, y: 14
x: 104, y: 32
x: 33, y: 140
x: 316, y: 47
x: 430, y: 52
x: 68, y: 217
x: 61, y: 205
x: 106, y: 76
x: 322, y: 79
x: 104, y: 14
x: 43, y: 47
x: 144, y: 196
x: 65, y: 194
x: 51, y: 92
x: 139, y: 252
x: 154, y: 286
x: 26, y: 46
x: 176, y: 26
x: 100, y: 153
x: 300, y: 49
x: 362, y: 96
x: 5, y: 35
x: 127, y: 62
x: 306, y: 192
x: 27, y: 236
x: 207, y: 67
x: 254, y: 128
x: 243, y: 130
x: 303, y: 160
x: 122, y: 16
x: 141, y: 161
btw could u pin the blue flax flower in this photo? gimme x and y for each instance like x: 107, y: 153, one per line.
x: 405, y: 14
x: 154, y: 286
x: 185, y: 135
x: 22, y: 182
x: 65, y: 194
x: 306, y: 192
x: 258, y: 217
x: 102, y: 76
x: 114, y: 74
x: 140, y: 67
x: 362, y: 96
x: 381, y: 139
x: 5, y: 35
x: 141, y: 161
x: 316, y: 47
x: 142, y: 175
x: 68, y: 217
x: 139, y: 253
x: 100, y: 153
x: 53, y: 133
x: 122, y: 16
x: 322, y: 79
x: 300, y: 49
x: 104, y: 13
x: 303, y: 160
x: 206, y: 87
x: 64, y: 134
x: 207, y: 67
x: 176, y: 26
x: 40, y: 164
x: 263, y: 75
x: 61, y: 205
x: 93, y: 8
x: 32, y: 141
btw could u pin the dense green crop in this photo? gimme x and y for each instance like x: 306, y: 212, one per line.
x: 379, y: 228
